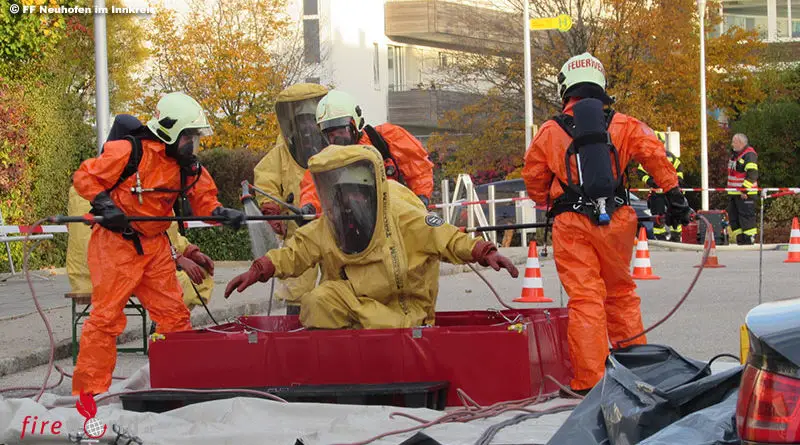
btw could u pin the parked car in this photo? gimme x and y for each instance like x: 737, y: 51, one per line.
x: 506, y: 212
x: 768, y: 409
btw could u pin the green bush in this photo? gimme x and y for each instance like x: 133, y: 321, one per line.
x: 222, y: 243
x: 229, y: 168
x: 776, y: 232
x: 59, y: 140
x: 783, y: 209
x: 773, y: 131
x: 15, y: 177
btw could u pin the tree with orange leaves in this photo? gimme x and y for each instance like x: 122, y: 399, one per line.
x: 650, y: 50
x: 224, y: 54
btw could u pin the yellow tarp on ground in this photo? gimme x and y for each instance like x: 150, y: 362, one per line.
x: 78, y: 243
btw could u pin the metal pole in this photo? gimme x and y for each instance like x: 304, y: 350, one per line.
x: 101, y: 73
x: 528, y: 81
x: 761, y: 244
x: 446, y: 200
x: 701, y: 9
x: 8, y: 247
x: 492, y: 214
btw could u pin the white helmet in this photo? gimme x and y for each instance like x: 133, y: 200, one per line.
x: 584, y: 68
x: 338, y: 109
x: 176, y: 112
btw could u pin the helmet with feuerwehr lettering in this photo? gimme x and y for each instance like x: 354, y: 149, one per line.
x: 583, y: 76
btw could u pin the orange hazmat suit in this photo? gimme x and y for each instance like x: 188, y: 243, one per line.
x: 412, y: 161
x: 593, y: 261
x: 117, y: 270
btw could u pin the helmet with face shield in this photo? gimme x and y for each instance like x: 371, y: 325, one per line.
x: 349, y: 200
x: 295, y: 108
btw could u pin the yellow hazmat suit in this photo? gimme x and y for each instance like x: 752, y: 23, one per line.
x: 78, y: 244
x: 393, y: 280
x: 279, y: 174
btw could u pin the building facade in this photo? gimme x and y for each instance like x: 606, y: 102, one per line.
x: 386, y: 53
x: 775, y: 20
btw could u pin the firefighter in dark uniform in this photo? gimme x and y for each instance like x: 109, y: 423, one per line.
x: 742, y: 173
x: 656, y: 201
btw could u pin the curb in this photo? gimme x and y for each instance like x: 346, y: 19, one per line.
x: 699, y: 247
x: 63, y: 349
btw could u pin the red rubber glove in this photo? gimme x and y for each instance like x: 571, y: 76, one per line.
x: 270, y: 208
x: 485, y: 254
x: 191, y: 268
x: 261, y: 270
x: 193, y: 253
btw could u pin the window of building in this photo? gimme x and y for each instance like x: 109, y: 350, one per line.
x: 782, y: 26
x: 748, y: 15
x: 788, y: 12
x: 310, y: 7
x: 397, y: 68
x: 311, y: 52
x: 376, y: 66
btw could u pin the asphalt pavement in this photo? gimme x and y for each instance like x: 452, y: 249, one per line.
x: 706, y: 325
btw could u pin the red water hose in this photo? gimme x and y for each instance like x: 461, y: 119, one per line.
x: 706, y: 251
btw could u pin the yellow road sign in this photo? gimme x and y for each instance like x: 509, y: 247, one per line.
x: 562, y: 23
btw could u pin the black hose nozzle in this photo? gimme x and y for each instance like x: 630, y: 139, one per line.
x: 86, y: 219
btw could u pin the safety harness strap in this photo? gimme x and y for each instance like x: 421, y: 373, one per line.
x: 133, y: 161
x: 392, y: 170
x: 133, y: 236
x: 573, y: 198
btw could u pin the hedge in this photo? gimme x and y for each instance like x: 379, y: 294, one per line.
x: 56, y: 139
x: 229, y: 168
x: 222, y: 243
x: 60, y: 139
x: 773, y: 131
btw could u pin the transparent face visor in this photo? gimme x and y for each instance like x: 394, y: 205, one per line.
x: 191, y: 137
x: 349, y: 200
x: 189, y: 143
x: 299, y: 129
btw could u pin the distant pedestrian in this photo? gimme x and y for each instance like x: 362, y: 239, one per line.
x: 742, y: 173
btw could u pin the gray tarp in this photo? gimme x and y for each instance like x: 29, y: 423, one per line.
x: 258, y: 421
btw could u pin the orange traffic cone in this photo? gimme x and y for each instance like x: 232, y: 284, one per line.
x: 712, y: 262
x: 641, y: 264
x: 794, y: 243
x: 532, y: 290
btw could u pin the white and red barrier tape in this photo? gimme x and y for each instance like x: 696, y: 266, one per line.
x: 480, y: 202
x: 780, y: 191
x: 5, y: 230
x: 787, y: 190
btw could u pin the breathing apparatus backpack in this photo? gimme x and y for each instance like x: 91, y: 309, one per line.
x: 392, y: 169
x: 127, y: 127
x: 596, y: 193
